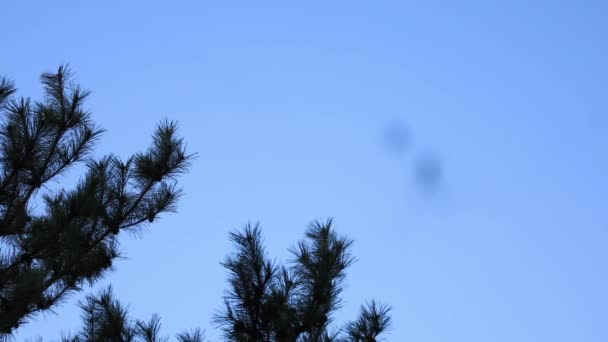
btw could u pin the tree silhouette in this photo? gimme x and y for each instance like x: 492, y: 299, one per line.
x: 268, y: 302
x: 105, y: 319
x: 46, y: 255
x: 265, y: 302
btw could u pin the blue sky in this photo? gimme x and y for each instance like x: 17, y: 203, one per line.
x: 290, y: 107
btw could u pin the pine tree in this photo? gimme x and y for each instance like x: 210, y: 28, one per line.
x: 47, y: 254
x: 268, y: 302
x: 265, y: 302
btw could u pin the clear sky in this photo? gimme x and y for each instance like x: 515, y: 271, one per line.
x: 304, y: 110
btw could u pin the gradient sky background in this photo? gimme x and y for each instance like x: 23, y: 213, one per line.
x: 304, y: 110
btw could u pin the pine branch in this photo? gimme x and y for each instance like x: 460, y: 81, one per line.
x: 319, y: 266
x: 373, y: 320
x: 74, y: 241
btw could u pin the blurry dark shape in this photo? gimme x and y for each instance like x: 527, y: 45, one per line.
x: 397, y: 137
x: 428, y: 172
x: 44, y: 257
x: 265, y: 302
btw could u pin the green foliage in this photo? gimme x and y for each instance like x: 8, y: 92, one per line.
x: 150, y: 331
x: 292, y: 303
x: 106, y: 320
x: 73, y: 240
x: 373, y: 320
x: 265, y: 302
x: 195, y: 335
x: 45, y: 256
